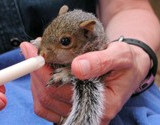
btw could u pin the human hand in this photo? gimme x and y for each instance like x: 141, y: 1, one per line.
x: 128, y: 66
x: 49, y: 102
x: 3, y: 100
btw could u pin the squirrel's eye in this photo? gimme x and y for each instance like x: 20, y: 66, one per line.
x: 65, y: 41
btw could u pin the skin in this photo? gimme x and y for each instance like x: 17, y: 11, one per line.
x: 3, y: 100
x: 120, y: 17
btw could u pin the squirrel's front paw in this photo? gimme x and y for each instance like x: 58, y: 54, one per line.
x: 60, y: 77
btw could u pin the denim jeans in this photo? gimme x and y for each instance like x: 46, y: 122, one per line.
x: 22, y: 20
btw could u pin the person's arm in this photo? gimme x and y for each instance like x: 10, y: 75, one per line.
x: 132, y: 19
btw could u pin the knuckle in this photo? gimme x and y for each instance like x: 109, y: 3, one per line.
x: 129, y: 59
x: 122, y: 55
x: 127, y: 54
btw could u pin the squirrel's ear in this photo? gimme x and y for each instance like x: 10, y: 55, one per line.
x: 88, y: 25
x: 63, y: 10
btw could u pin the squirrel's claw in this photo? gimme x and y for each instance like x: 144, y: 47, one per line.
x: 60, y: 77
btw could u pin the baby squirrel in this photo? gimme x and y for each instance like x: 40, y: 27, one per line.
x: 71, y: 34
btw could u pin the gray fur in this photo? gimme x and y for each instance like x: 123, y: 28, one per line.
x: 88, y: 101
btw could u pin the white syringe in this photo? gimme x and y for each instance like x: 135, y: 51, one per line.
x: 20, y: 69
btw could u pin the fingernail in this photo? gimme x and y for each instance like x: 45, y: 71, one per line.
x: 84, y: 67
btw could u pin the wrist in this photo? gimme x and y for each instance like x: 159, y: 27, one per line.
x: 144, y: 64
x: 141, y: 63
x: 142, y: 60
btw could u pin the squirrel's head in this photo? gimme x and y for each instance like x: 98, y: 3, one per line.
x: 67, y: 34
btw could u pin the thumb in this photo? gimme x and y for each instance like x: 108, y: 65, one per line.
x: 28, y: 49
x: 91, y: 64
x: 94, y: 64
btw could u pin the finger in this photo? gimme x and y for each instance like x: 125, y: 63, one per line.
x: 3, y: 101
x: 63, y: 93
x: 42, y: 94
x: 2, y: 89
x: 97, y: 63
x: 45, y: 113
x: 28, y: 50
x: 43, y: 74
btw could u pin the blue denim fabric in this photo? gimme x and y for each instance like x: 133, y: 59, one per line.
x: 26, y: 19
x: 10, y: 24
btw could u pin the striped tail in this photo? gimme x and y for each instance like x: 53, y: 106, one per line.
x: 88, y: 101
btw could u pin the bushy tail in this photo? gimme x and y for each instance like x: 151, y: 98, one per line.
x: 87, y: 103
